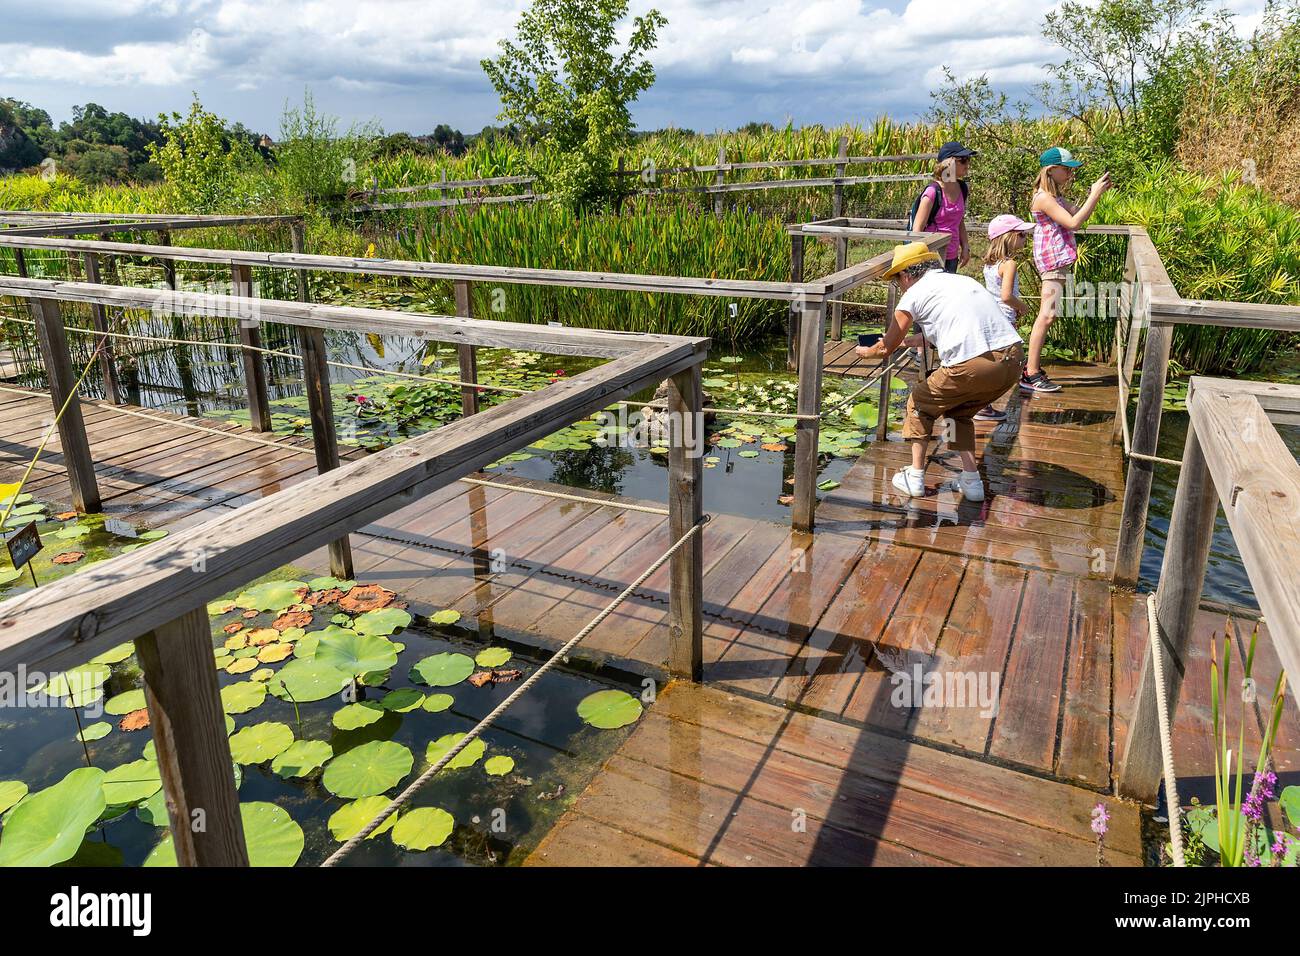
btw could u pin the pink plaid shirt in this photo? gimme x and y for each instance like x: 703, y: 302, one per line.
x: 1054, y: 246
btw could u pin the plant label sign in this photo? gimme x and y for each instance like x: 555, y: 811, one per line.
x: 24, y: 546
x: 120, y: 528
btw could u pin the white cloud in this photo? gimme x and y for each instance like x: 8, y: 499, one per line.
x: 416, y: 62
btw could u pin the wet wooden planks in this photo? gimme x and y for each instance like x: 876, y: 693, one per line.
x: 710, y: 778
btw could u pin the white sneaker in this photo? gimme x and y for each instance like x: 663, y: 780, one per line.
x: 910, y: 482
x: 971, y: 485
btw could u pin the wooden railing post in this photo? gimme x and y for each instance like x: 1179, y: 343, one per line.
x: 62, y: 381
x: 20, y: 264
x: 250, y: 337
x: 882, y: 408
x: 719, y: 178
x: 189, y: 732
x: 168, y: 265
x: 1182, y: 575
x: 297, y: 245
x: 685, y: 510
x: 1134, y: 313
x: 812, y: 342
x: 466, y: 354
x: 792, y: 323
x: 99, y: 317
x: 841, y: 243
x: 316, y: 376
x: 1146, y: 434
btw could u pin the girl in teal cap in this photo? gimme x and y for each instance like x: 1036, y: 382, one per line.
x: 1056, y: 220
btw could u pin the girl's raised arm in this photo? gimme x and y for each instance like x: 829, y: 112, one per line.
x: 1072, y: 220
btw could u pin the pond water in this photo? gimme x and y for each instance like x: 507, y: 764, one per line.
x: 537, y: 757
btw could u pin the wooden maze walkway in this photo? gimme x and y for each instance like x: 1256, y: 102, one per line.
x: 794, y: 750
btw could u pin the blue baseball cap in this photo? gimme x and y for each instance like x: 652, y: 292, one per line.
x: 954, y: 150
x: 1058, y: 156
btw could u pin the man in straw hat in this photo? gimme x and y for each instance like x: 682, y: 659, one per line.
x: 980, y: 359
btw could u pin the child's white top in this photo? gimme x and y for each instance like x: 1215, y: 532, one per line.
x: 993, y: 282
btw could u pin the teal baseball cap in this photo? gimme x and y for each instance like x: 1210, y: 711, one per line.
x: 1058, y: 156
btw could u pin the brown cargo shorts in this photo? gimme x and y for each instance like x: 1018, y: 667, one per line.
x: 958, y: 392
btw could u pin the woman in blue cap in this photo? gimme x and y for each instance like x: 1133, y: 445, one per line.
x: 1056, y: 221
x: 942, y: 204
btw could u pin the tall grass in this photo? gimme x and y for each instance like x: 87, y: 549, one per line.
x: 647, y: 238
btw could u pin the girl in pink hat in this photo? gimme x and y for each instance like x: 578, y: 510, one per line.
x: 1006, y: 240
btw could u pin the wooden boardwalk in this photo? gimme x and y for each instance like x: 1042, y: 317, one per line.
x: 797, y: 749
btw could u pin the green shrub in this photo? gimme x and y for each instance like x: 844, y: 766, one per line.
x: 314, y: 160
x: 201, y: 161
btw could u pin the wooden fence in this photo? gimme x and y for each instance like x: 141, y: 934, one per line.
x: 1233, y: 457
x: 157, y: 596
x: 475, y: 187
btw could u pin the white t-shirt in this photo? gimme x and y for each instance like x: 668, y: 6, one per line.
x: 958, y: 316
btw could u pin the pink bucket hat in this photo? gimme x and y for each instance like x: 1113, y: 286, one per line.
x: 1001, y: 225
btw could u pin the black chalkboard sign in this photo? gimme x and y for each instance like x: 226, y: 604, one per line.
x: 24, y: 546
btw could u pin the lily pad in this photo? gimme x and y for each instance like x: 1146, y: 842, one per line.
x: 466, y: 758
x: 242, y: 697
x: 131, y: 782
x: 492, y: 656
x: 306, y: 681
x: 347, y: 821
x: 302, y: 757
x: 47, y: 827
x: 271, y: 595
x: 260, y: 742
x: 368, y: 769
x: 608, y: 709
x: 443, y: 670
x: 78, y: 681
x: 383, y: 622
x: 499, y: 765
x: 358, y: 715
x: 95, y: 731
x: 125, y: 703
x: 437, y: 703
x: 402, y: 700
x: 115, y: 655
x: 328, y: 584
x: 11, y: 791
x: 445, y: 617
x: 423, y: 828
x: 355, y: 653
x: 273, y: 838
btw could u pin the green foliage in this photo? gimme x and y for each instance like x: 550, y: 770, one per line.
x: 667, y: 239
x: 202, y: 163
x: 563, y: 82
x: 1219, y: 239
x: 313, y: 159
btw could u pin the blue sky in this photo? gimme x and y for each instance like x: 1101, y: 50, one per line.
x: 411, y: 64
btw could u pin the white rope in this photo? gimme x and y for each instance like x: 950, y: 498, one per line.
x: 1166, y: 742
x: 406, y: 795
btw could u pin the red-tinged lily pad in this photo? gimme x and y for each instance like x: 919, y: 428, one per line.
x: 136, y: 720
x: 68, y: 557
x: 366, y: 597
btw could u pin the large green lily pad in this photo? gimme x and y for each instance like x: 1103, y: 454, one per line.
x: 79, y: 682
x: 347, y: 821
x: 273, y: 838
x: 99, y: 729
x: 260, y: 742
x: 271, y: 595
x: 382, y: 622
x: 306, y: 681
x: 443, y: 670
x: 403, y: 700
x: 302, y: 757
x: 367, y: 770
x: 608, y: 709
x: 358, y: 715
x: 47, y: 827
x: 115, y: 655
x: 131, y: 782
x: 422, y: 828
x: 499, y: 765
x: 437, y: 703
x: 242, y: 697
x: 355, y: 653
x: 124, y: 703
x: 466, y: 758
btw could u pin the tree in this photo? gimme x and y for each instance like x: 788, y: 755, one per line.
x: 200, y: 161
x: 564, y: 83
x: 314, y: 158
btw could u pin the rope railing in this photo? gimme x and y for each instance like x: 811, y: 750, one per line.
x: 403, y: 798
x: 1121, y: 346
x: 1166, y: 735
